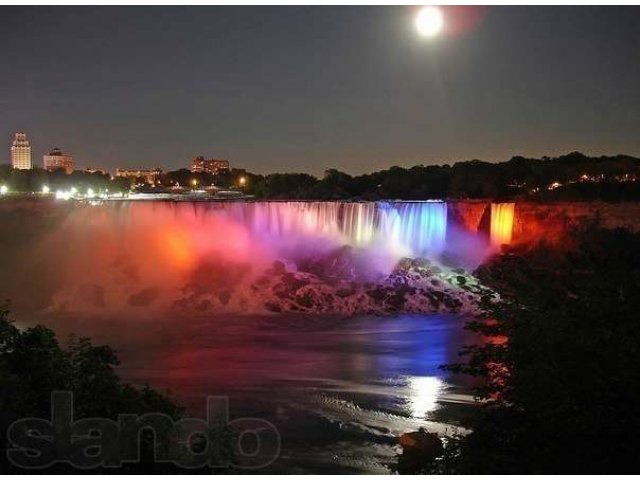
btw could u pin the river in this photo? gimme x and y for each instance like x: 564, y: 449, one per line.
x: 339, y: 390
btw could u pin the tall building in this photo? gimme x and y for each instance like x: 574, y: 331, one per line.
x: 21, y: 152
x: 200, y: 165
x: 58, y: 160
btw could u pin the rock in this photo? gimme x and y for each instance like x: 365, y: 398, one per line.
x: 273, y: 307
x: 316, y: 286
x: 377, y: 294
x: 396, y: 302
x: 422, y: 443
x: 404, y: 264
x: 345, y: 292
x: 340, y: 265
x: 278, y: 268
x: 305, y: 300
x: 420, y: 262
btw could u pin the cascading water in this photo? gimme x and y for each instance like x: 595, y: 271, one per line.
x: 405, y: 227
x: 237, y: 256
x: 358, y: 220
x: 415, y: 227
x: 501, y: 223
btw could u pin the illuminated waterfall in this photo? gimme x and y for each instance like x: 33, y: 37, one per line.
x: 501, y: 223
x: 358, y: 220
x: 416, y: 227
x: 285, y: 219
x: 405, y: 227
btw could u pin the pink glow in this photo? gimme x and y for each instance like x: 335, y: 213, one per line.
x: 142, y: 256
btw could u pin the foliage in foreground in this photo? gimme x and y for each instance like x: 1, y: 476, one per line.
x: 33, y: 364
x: 560, y: 367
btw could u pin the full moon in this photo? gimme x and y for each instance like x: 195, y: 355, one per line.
x: 429, y: 21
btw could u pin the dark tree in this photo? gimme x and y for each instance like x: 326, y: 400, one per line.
x: 560, y: 365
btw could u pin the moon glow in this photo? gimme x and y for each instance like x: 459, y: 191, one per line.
x: 429, y: 21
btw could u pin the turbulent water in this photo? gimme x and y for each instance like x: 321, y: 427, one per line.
x: 251, y: 257
x: 267, y: 303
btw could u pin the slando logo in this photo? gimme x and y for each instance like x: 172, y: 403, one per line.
x: 100, y: 442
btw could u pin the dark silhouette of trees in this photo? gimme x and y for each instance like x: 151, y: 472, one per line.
x: 579, y: 178
x: 33, y: 364
x: 559, y: 368
x: 26, y: 181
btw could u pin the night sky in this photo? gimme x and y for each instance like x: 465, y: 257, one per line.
x: 305, y: 89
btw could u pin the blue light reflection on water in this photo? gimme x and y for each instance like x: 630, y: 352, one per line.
x: 338, y: 389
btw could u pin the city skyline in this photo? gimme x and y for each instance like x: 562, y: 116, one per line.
x: 306, y: 89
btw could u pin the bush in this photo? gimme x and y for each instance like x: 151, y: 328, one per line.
x: 560, y: 365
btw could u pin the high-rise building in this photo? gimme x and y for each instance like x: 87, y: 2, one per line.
x: 57, y: 160
x: 200, y: 165
x: 21, y: 152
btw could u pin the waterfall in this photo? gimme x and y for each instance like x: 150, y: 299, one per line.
x: 406, y: 228
x: 284, y: 219
x: 501, y: 223
x: 416, y: 227
x: 358, y: 223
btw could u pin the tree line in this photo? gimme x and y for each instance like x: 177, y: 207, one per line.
x: 572, y: 176
x: 34, y: 180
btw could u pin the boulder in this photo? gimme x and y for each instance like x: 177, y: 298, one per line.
x: 423, y: 444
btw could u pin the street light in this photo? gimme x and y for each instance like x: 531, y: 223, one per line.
x: 4, y: 190
x: 45, y: 189
x: 242, y: 181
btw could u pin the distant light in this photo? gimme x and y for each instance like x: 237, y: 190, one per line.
x: 4, y: 190
x: 243, y: 181
x: 45, y: 189
x: 63, y: 195
x: 429, y: 21
x: 194, y: 182
x: 73, y: 190
x: 90, y: 193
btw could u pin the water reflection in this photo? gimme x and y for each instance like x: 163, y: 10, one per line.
x: 339, y: 390
x: 425, y: 392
